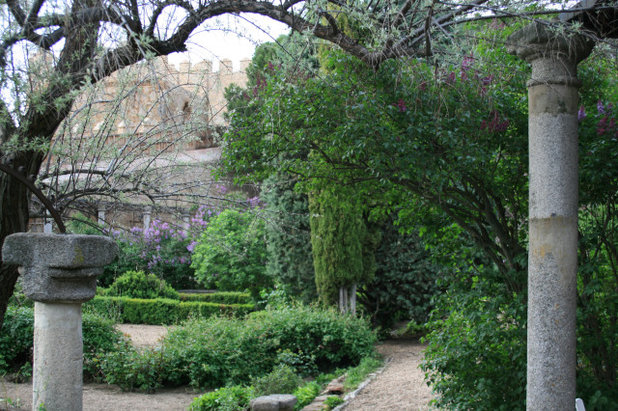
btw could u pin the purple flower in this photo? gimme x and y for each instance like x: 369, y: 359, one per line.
x: 467, y: 63
x: 401, y: 105
x: 191, y: 246
x: 600, y: 107
x: 581, y: 114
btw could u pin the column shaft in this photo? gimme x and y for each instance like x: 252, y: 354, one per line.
x: 58, y: 357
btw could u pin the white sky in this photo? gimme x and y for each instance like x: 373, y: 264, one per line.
x: 229, y: 37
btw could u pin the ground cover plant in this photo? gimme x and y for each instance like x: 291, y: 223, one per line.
x: 283, y: 380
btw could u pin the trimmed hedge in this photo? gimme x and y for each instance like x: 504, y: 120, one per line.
x: 221, y: 297
x: 162, y: 311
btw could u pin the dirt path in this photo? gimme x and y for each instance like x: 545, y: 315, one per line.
x: 400, y: 386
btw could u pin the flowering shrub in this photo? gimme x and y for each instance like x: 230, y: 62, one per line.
x: 162, y: 249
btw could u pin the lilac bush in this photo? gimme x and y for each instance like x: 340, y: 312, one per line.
x: 163, y: 249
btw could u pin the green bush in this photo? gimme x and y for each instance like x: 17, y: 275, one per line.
x: 132, y: 369
x: 16, y: 340
x: 161, y: 311
x: 404, y: 282
x: 332, y: 401
x: 306, y: 394
x: 484, y: 330
x: 137, y: 284
x: 234, y: 398
x: 221, y: 297
x: 327, y: 337
x: 288, y: 237
x: 222, y: 351
x: 281, y: 380
x: 231, y: 253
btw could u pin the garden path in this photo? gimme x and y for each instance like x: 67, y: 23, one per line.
x: 400, y: 386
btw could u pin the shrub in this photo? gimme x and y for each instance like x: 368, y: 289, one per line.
x: 281, y: 380
x: 161, y: 311
x: 288, y: 237
x: 329, y: 338
x: 484, y: 330
x: 132, y: 369
x: 16, y: 340
x: 221, y: 297
x: 99, y: 336
x: 220, y: 351
x: 162, y: 249
x: 136, y: 284
x: 225, y: 351
x: 234, y: 398
x: 332, y: 401
x: 404, y: 282
x: 231, y: 253
x: 306, y: 394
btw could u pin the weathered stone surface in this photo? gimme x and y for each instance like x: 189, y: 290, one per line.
x: 552, y: 257
x: 57, y: 267
x: 57, y: 369
x: 274, y: 402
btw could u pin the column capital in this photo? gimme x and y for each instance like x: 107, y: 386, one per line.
x: 59, y: 268
x: 554, y: 55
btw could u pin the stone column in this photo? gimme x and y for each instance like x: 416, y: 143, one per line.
x: 146, y: 217
x: 552, y: 255
x: 59, y: 273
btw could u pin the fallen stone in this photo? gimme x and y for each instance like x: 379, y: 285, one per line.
x: 274, y: 402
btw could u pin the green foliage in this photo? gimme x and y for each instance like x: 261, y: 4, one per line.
x: 16, y: 338
x: 356, y: 375
x: 133, y: 369
x: 281, y: 380
x: 221, y: 297
x: 221, y: 351
x: 233, y: 398
x: 231, y: 253
x: 332, y: 401
x: 305, y: 394
x: 161, y: 311
x: 484, y: 328
x: 338, y: 237
x: 405, y: 280
x: 16, y: 341
x: 288, y: 237
x: 136, y: 284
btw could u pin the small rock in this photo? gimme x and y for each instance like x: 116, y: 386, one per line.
x: 274, y: 402
x: 335, y: 387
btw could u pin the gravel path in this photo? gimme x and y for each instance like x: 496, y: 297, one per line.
x: 400, y: 386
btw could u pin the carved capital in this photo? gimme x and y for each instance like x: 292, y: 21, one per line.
x: 58, y: 267
x: 553, y: 55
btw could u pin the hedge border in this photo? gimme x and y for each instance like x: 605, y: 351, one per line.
x: 163, y: 311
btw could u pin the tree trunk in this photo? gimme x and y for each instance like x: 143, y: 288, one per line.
x: 14, y: 215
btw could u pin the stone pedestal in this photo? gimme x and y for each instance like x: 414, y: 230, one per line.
x: 552, y: 255
x: 59, y: 273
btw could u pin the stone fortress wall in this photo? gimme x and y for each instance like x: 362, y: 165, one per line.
x: 155, y: 107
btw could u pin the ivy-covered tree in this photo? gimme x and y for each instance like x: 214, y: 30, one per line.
x: 342, y: 247
x: 288, y: 237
